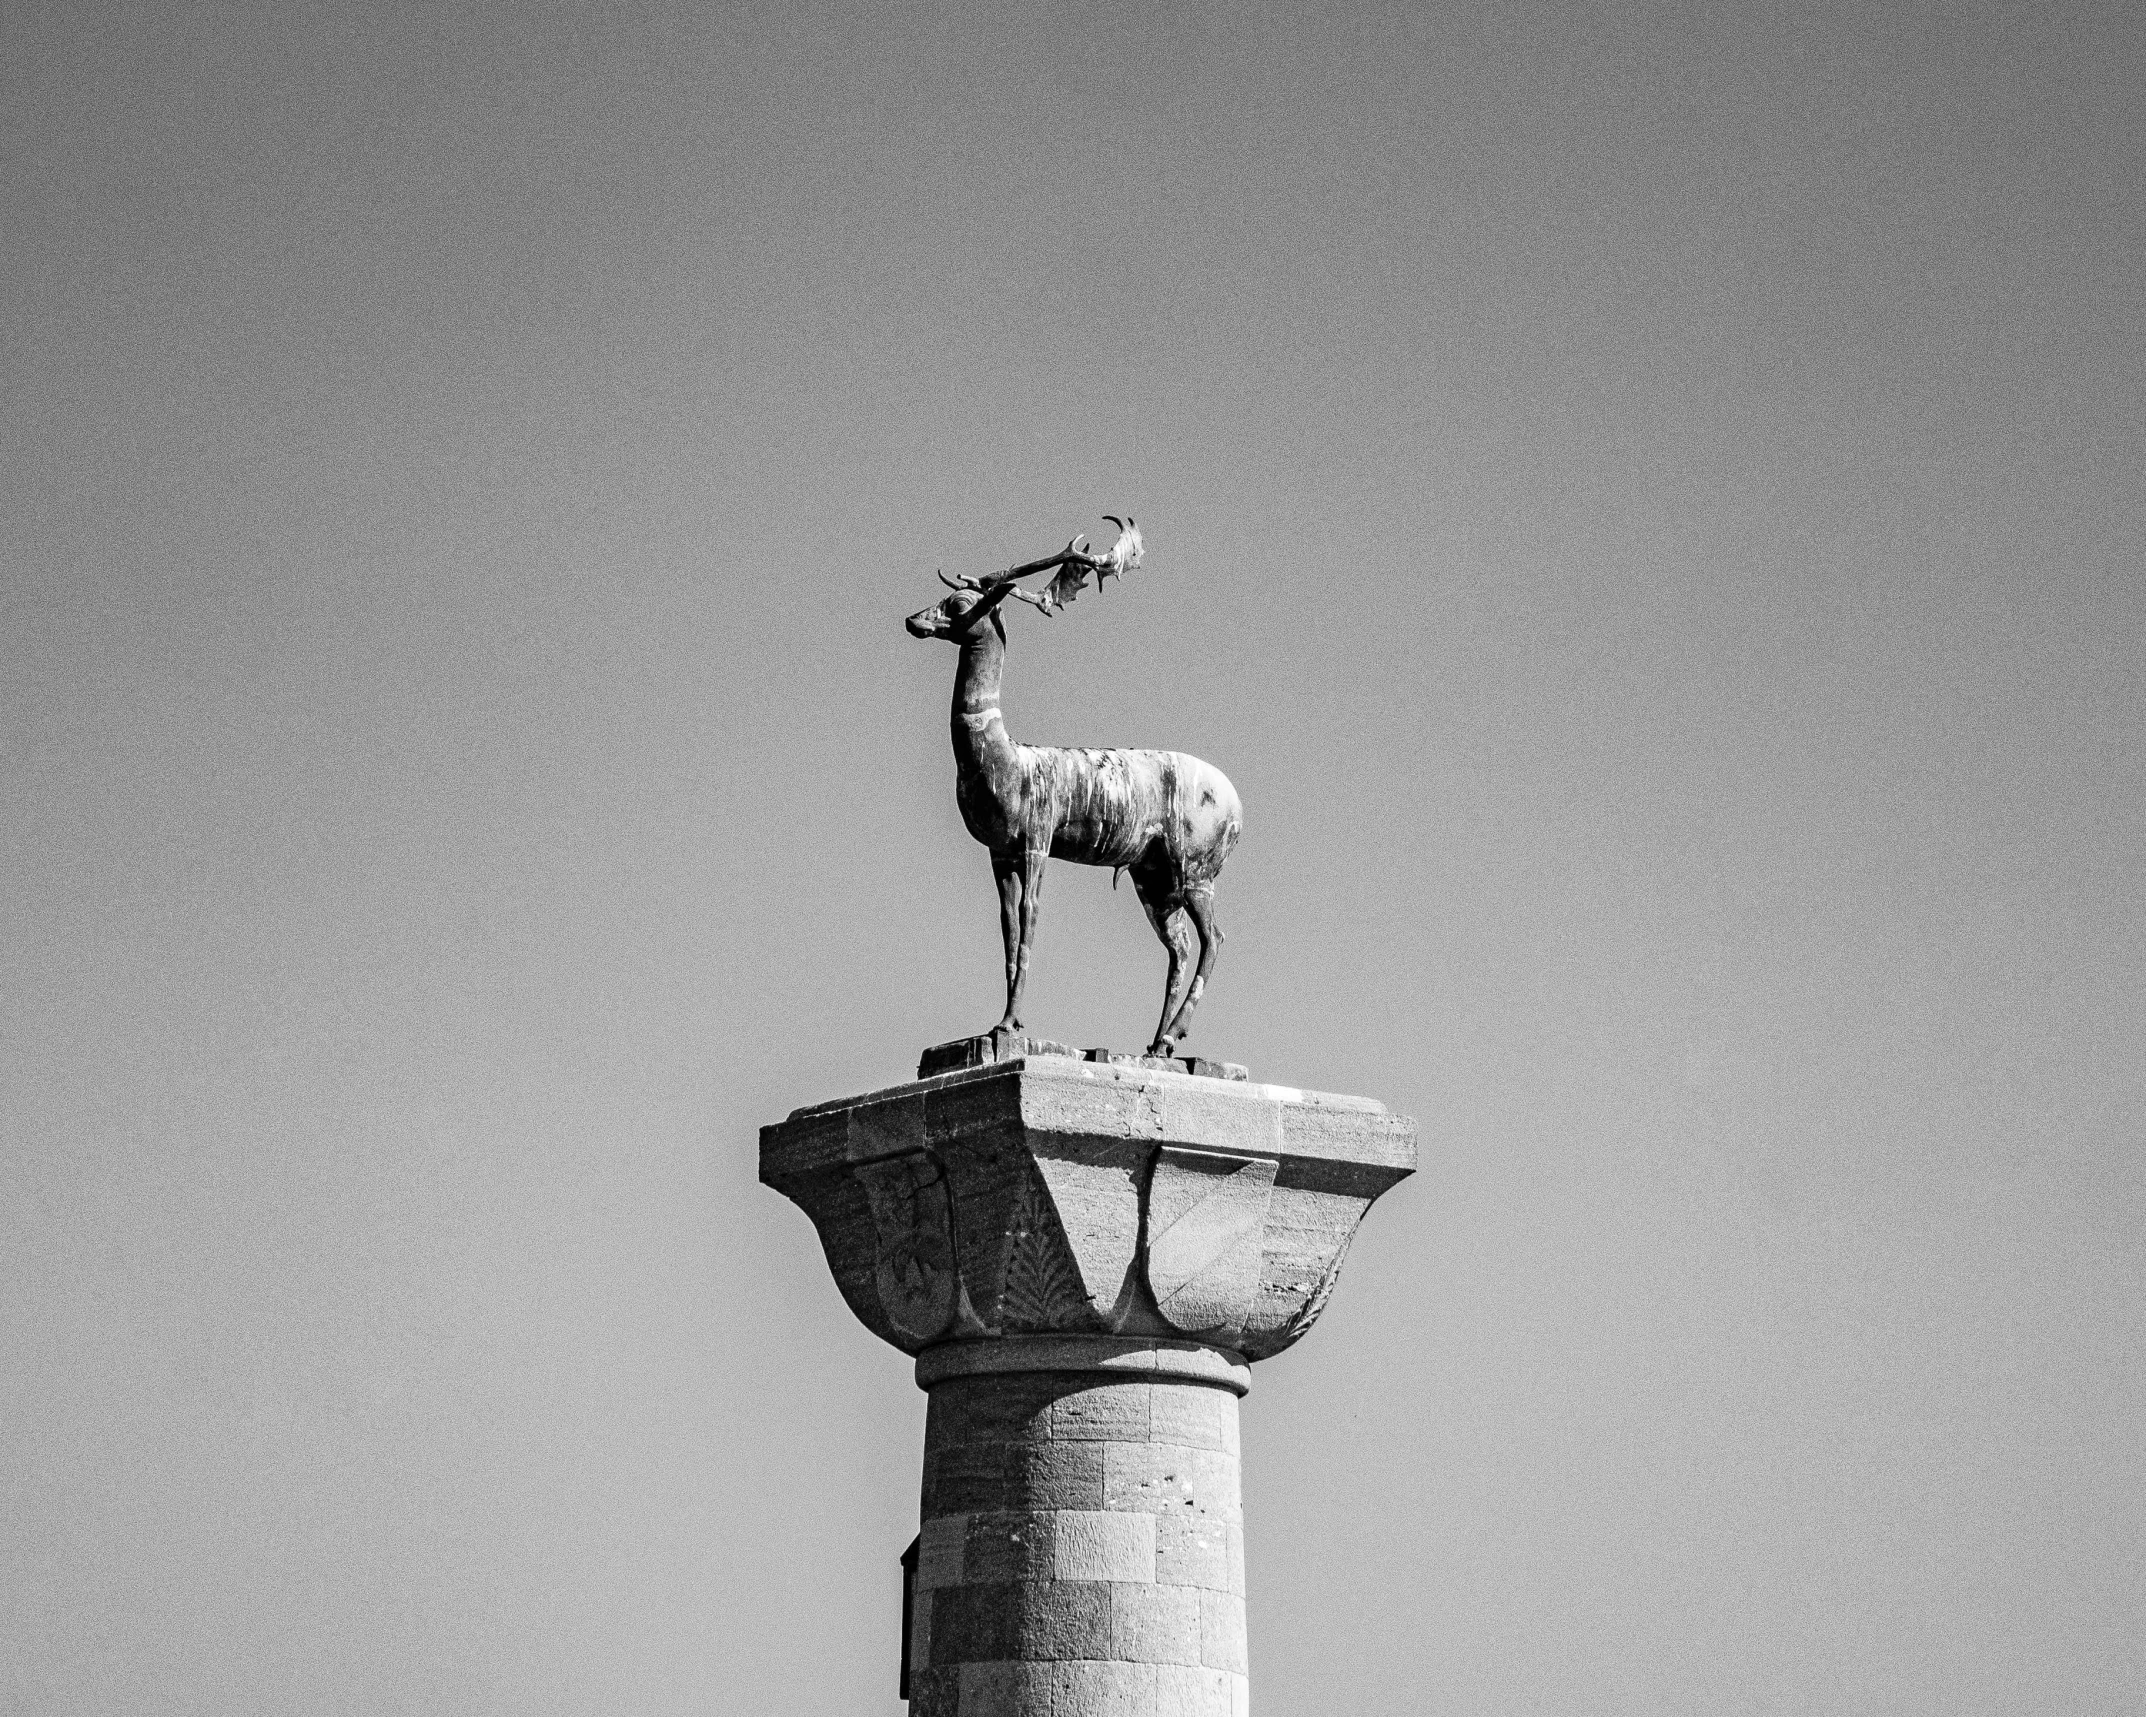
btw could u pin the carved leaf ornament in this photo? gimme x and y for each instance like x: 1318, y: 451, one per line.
x: 1042, y: 1287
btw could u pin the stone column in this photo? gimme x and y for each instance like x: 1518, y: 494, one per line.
x: 1085, y: 1259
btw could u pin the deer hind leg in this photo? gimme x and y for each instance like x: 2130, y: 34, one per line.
x: 1200, y: 908
x: 1172, y: 925
x: 1006, y: 872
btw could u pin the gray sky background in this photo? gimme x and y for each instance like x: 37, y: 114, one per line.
x: 1644, y: 501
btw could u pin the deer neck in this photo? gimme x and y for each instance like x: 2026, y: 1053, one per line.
x: 981, y: 743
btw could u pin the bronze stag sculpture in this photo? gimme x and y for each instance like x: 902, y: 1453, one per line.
x: 1168, y: 819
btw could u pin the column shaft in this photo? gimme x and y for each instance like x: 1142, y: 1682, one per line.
x: 1082, y: 1549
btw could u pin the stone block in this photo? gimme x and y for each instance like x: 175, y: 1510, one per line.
x: 988, y: 1623
x: 985, y: 1051
x: 1106, y: 1412
x: 891, y: 1127
x: 964, y: 1478
x: 1192, y: 1550
x: 812, y: 1140
x: 1307, y: 1235
x: 1198, y: 1418
x: 1155, y: 1624
x: 1361, y: 1144
x: 1008, y: 1407
x: 952, y: 1057
x: 939, y: 1551
x: 1183, y: 1690
x: 1006, y: 1689
x: 1061, y: 1475
x: 969, y: 1109
x: 920, y: 1633
x: 982, y: 1478
x: 1222, y: 1639
x: 1063, y: 1618
x: 1008, y: 1546
x: 1085, y: 1687
x: 1214, y: 1069
x: 1198, y: 1064
x: 1159, y: 1478
x: 1221, y: 1115
x: 1101, y: 1545
x: 935, y: 1692
x: 1105, y: 1108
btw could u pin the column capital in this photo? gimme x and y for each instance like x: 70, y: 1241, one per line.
x: 1049, y: 1197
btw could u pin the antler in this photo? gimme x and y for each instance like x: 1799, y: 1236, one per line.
x: 1073, y: 564
x: 1125, y: 553
x: 1123, y: 556
x: 1001, y: 585
x: 1075, y: 561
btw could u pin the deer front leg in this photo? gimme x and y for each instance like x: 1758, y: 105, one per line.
x: 1006, y: 872
x: 1028, y: 880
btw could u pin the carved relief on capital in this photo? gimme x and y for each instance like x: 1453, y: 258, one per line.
x: 1046, y: 1231
x: 1206, y: 1227
x: 1060, y: 1202
x: 1039, y: 1285
x: 913, y: 1225
x: 1160, y: 1240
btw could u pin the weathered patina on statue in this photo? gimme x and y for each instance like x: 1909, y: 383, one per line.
x: 1166, y: 819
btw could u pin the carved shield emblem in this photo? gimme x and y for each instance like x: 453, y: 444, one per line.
x: 1206, y: 1214
x: 914, y: 1222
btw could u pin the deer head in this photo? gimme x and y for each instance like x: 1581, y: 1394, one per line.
x: 956, y: 616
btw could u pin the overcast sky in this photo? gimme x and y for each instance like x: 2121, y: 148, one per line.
x: 1645, y: 502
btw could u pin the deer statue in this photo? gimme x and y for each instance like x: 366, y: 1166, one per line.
x: 1168, y: 819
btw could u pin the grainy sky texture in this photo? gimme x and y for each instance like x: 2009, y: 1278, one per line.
x: 1644, y: 501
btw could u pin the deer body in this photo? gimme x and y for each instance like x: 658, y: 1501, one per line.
x: 1167, y: 819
